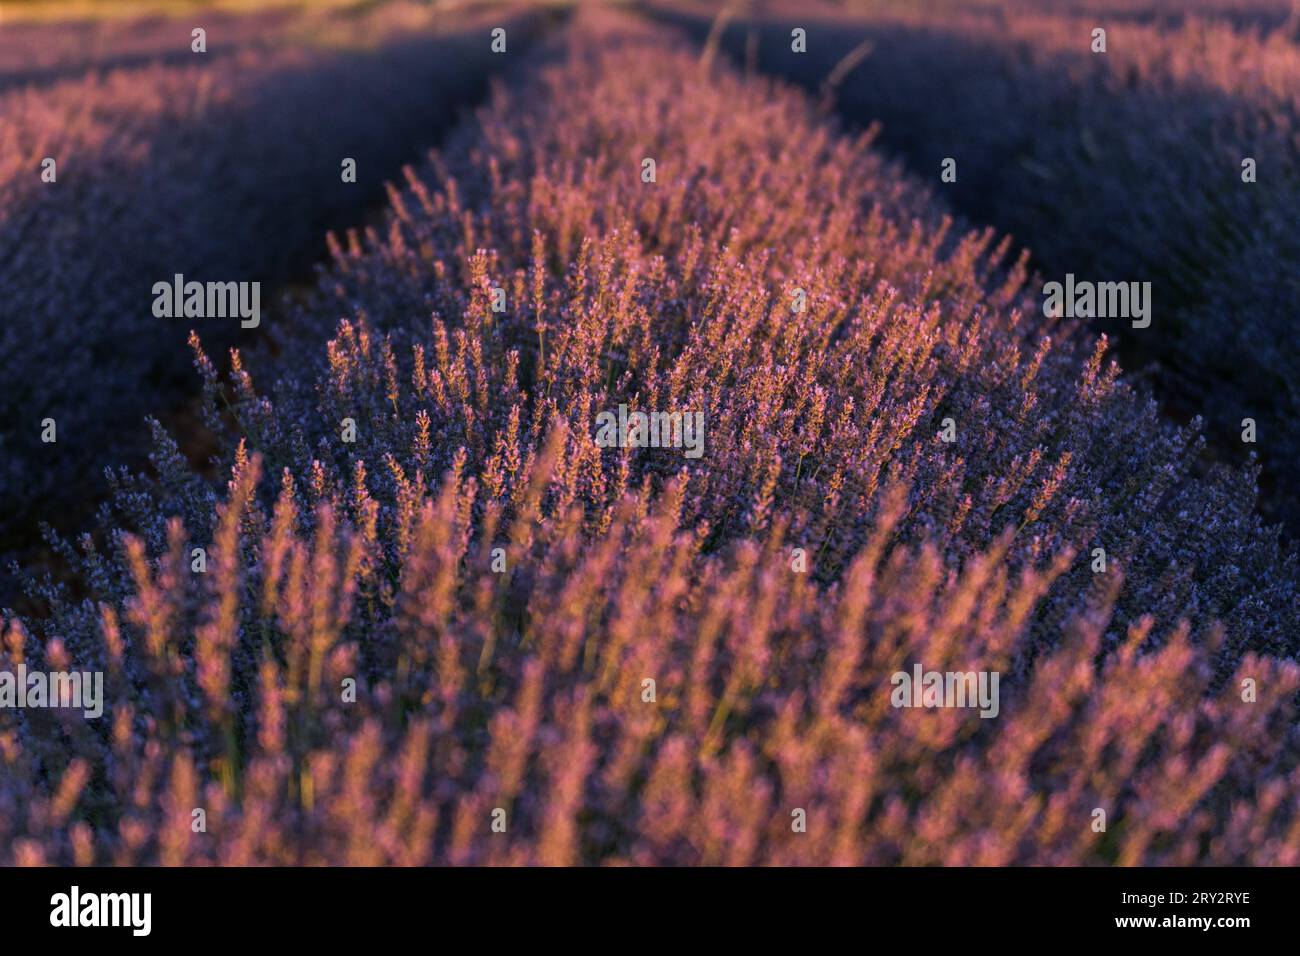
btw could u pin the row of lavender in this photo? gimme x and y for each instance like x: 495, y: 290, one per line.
x: 432, y: 620
x: 36, y: 51
x: 1262, y: 13
x: 1122, y: 166
x: 226, y: 166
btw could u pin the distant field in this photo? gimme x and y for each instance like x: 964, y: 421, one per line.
x: 17, y: 10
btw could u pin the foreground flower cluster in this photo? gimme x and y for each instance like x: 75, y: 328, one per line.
x: 436, y: 622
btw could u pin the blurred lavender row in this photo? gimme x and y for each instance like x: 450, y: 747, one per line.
x: 223, y: 166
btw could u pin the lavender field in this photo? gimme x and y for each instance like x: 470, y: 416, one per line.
x: 664, y: 462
